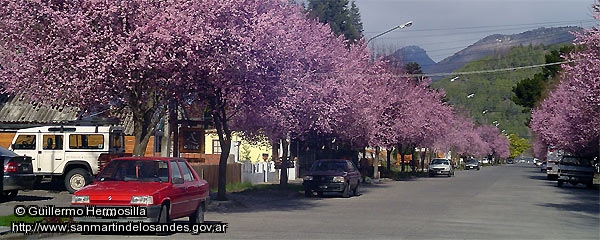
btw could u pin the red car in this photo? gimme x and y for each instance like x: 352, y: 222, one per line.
x: 168, y: 188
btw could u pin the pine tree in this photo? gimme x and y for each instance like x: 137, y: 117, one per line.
x: 342, y: 16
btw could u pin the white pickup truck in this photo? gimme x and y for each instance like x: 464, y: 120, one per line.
x: 72, y: 154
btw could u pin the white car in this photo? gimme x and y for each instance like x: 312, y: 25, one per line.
x: 440, y: 166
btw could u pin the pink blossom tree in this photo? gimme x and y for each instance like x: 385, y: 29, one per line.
x: 568, y: 117
x: 496, y: 141
x: 98, y: 55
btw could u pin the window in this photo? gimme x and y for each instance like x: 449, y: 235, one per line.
x: 216, y: 147
x: 53, y: 142
x: 86, y: 141
x: 25, y: 142
x: 187, y: 173
x: 175, y: 173
x: 117, y: 139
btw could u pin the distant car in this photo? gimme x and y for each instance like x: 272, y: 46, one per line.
x: 472, y: 164
x: 169, y: 188
x: 440, y: 166
x: 18, y: 174
x: 543, y: 167
x: 332, y: 175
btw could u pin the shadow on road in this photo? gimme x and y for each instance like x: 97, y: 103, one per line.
x: 539, y: 177
x: 581, y: 199
x: 26, y: 198
x: 280, y: 200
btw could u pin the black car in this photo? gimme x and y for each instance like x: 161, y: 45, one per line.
x: 332, y: 175
x: 472, y: 164
x: 17, y: 174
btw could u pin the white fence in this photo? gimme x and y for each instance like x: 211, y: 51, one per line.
x: 262, y: 172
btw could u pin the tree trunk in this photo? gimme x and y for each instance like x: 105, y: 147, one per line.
x: 283, y: 178
x: 413, y: 161
x: 422, y: 156
x: 145, y: 118
x: 389, y: 160
x: 220, y: 121
x: 174, y: 129
x: 376, y: 164
x: 400, y: 150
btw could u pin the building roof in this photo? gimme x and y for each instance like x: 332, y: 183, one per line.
x: 17, y: 112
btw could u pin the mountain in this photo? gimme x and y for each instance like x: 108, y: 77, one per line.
x: 496, y: 44
x: 413, y: 54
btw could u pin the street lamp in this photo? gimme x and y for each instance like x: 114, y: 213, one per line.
x: 408, y: 24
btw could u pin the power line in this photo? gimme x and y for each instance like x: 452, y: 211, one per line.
x: 484, y: 71
x: 506, y: 25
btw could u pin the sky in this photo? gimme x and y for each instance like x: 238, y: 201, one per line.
x: 444, y: 27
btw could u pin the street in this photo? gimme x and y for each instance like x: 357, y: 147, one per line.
x: 500, y: 202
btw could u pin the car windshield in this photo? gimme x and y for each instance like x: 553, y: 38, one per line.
x: 472, y: 162
x: 440, y: 161
x: 126, y: 170
x: 576, y: 161
x: 335, y: 166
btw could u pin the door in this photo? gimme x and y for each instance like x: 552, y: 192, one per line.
x: 353, y: 174
x: 192, y: 189
x: 25, y: 144
x: 179, y: 191
x: 52, y: 154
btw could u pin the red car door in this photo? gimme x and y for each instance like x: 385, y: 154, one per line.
x: 192, y: 189
x: 178, y: 194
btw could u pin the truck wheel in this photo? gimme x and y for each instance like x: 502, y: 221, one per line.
x: 77, y: 179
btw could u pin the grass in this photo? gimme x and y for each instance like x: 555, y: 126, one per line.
x: 247, y: 187
x: 6, y: 220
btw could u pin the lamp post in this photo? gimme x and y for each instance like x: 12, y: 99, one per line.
x: 408, y: 24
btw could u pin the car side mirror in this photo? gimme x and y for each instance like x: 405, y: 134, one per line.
x: 177, y: 180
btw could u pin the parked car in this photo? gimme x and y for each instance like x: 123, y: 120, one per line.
x: 169, y: 188
x: 18, y: 174
x: 472, y: 164
x: 440, y: 166
x: 332, y: 175
x: 575, y: 170
x: 543, y: 167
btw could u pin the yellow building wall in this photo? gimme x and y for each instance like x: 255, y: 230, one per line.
x: 252, y: 151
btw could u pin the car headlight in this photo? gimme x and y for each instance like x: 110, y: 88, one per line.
x: 80, y: 199
x: 338, y: 179
x: 142, y: 200
x: 308, y: 178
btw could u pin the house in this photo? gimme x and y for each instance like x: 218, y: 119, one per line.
x: 241, y: 150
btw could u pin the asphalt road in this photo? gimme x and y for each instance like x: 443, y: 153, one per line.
x: 500, y: 202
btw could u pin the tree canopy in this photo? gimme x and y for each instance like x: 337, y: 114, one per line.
x: 568, y: 117
x: 260, y: 66
x: 342, y: 16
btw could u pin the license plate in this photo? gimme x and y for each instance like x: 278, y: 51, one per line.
x: 25, y: 169
x: 322, y: 186
x: 439, y: 172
